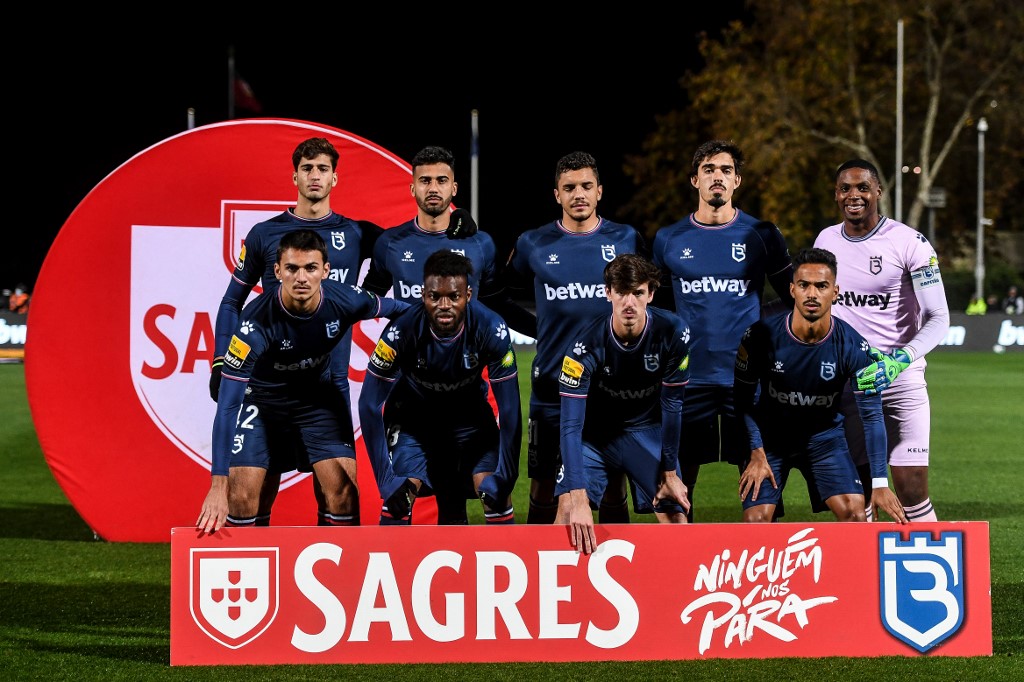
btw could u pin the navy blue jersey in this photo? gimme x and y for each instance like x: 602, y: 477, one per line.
x: 276, y: 350
x: 348, y: 245
x: 614, y: 388
x: 443, y: 386
x: 278, y: 357
x: 799, y: 383
x: 401, y: 251
x: 564, y: 273
x: 717, y: 279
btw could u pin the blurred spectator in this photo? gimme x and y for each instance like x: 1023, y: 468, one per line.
x: 993, y: 303
x: 977, y: 306
x: 1013, y: 304
x: 18, y: 301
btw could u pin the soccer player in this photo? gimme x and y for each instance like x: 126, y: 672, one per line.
x: 277, y: 401
x: 716, y: 260
x: 442, y: 432
x: 801, y: 361
x: 891, y: 292
x: 561, y: 267
x: 621, y: 390
x: 399, y: 254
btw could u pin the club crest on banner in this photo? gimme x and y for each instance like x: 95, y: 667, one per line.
x: 922, y: 587
x: 234, y: 593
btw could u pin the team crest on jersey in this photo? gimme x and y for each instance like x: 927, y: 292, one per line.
x: 338, y: 240
x: 383, y: 356
x: 333, y: 328
x: 470, y: 360
x: 739, y: 252
x: 234, y: 593
x: 241, y: 258
x: 238, y: 351
x: 571, y: 373
x: 461, y: 252
x: 828, y: 370
x: 651, y: 362
x: 608, y: 252
x: 875, y: 265
x: 921, y: 586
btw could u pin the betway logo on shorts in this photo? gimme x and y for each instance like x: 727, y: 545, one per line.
x: 799, y: 398
x: 855, y: 300
x: 714, y: 285
x: 573, y: 290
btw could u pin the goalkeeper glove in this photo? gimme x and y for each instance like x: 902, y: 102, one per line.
x: 399, y: 505
x: 461, y: 225
x: 218, y: 364
x: 880, y: 374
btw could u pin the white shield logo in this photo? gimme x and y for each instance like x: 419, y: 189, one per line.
x: 338, y: 240
x: 608, y: 252
x: 651, y: 362
x: 922, y: 587
x: 739, y: 252
x: 233, y: 592
x: 828, y: 370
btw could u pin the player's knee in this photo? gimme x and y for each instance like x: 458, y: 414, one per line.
x: 762, y: 513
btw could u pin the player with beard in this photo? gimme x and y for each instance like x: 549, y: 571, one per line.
x: 715, y: 262
x: 444, y: 439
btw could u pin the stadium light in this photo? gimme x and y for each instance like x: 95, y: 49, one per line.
x: 979, y: 269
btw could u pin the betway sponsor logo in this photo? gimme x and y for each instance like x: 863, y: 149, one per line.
x: 855, y: 300
x: 629, y: 394
x: 409, y: 291
x: 302, y: 365
x: 338, y: 274
x: 442, y: 386
x: 714, y: 285
x: 573, y: 290
x: 798, y: 398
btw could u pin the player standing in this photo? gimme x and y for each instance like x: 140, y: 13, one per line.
x: 892, y: 293
x: 717, y: 259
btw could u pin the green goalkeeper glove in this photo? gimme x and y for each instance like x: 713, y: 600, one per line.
x: 880, y: 374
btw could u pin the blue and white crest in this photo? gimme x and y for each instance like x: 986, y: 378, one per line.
x: 828, y: 370
x: 651, y: 362
x: 922, y: 586
x: 608, y: 252
x: 739, y: 252
x: 338, y: 240
x: 333, y: 328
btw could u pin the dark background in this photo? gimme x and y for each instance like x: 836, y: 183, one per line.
x: 84, y: 104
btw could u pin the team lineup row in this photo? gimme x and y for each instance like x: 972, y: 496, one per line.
x: 650, y: 360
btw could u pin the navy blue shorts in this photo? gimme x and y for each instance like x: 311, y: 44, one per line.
x: 445, y: 459
x: 635, y: 453
x: 292, y: 433
x: 711, y: 430
x: 825, y: 462
x: 543, y: 435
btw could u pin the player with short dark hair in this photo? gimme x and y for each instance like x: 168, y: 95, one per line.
x: 277, y: 401
x: 441, y: 437
x: 892, y: 294
x: 621, y: 390
x: 716, y: 261
x: 560, y: 267
x: 790, y: 371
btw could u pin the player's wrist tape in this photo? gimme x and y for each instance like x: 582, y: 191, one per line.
x: 881, y: 482
x: 217, y: 362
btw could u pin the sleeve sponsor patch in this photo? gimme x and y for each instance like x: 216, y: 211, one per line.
x: 383, y: 356
x: 928, y: 276
x: 685, y: 364
x: 241, y: 258
x: 238, y: 351
x: 571, y: 373
x: 741, y: 358
x: 509, y: 359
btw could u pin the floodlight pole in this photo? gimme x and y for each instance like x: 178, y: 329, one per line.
x: 979, y: 270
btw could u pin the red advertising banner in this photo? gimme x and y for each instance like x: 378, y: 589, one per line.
x: 431, y: 594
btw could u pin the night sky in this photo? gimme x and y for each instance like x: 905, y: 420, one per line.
x: 539, y: 96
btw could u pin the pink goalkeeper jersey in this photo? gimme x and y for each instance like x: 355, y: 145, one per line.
x: 879, y: 275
